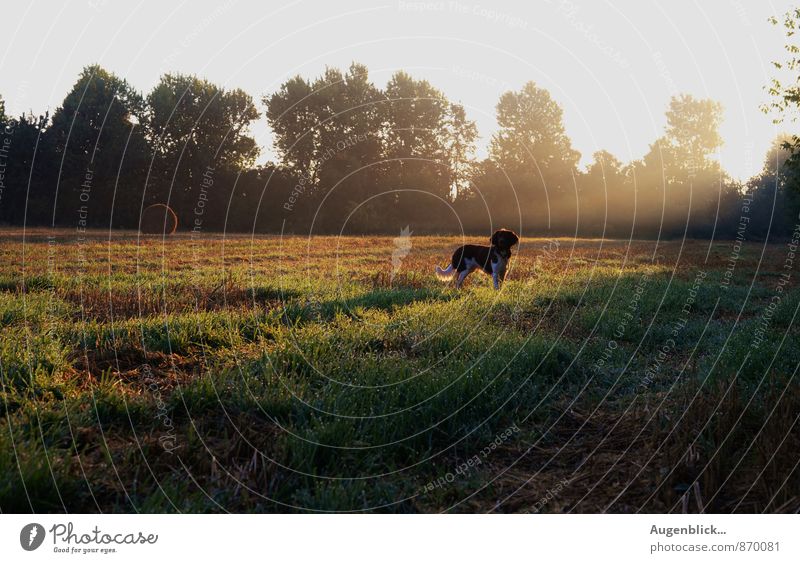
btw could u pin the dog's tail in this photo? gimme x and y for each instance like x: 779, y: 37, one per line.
x: 446, y: 274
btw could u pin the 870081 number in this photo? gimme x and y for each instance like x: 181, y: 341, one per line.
x: 759, y: 546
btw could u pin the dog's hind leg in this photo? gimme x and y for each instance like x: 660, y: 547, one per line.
x: 462, y: 275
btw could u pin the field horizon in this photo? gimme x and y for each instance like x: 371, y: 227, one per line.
x: 262, y: 373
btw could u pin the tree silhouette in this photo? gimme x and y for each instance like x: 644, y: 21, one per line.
x: 461, y: 136
x: 358, y: 158
x: 774, y: 197
x: 786, y: 102
x: 198, y: 130
x: 27, y: 195
x: 417, y: 147
x: 293, y: 118
x: 348, y: 126
x: 350, y: 142
x: 532, y: 137
x: 786, y: 94
x: 100, y: 150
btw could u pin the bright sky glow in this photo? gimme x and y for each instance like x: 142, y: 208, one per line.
x: 612, y: 65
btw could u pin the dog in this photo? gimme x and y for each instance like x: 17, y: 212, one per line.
x: 491, y: 259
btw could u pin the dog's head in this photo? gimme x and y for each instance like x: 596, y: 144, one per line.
x: 504, y: 239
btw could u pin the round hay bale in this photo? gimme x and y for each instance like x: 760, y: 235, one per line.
x: 158, y: 219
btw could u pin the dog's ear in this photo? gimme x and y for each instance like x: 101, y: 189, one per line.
x: 495, y: 238
x: 513, y: 238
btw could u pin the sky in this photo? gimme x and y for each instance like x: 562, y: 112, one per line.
x: 612, y: 66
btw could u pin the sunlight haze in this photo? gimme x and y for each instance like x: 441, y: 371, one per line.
x: 611, y: 65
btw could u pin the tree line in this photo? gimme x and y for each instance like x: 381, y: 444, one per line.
x: 358, y: 158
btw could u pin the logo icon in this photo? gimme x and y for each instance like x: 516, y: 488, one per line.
x: 31, y: 536
x: 402, y: 246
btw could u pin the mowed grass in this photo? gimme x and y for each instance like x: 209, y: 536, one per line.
x: 239, y: 373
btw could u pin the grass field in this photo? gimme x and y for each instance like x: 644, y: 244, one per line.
x: 289, y: 374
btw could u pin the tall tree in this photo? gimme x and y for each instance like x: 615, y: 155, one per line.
x: 679, y: 183
x: 690, y: 138
x: 198, y: 130
x: 416, y: 115
x: 773, y: 191
x: 99, y: 148
x: 329, y: 132
x: 418, y: 146
x: 461, y: 136
x: 341, y: 132
x: 785, y: 92
x: 347, y: 107
x: 692, y: 132
x: 605, y: 168
x: 532, y: 136
x: 428, y: 139
x: 293, y: 118
x: 785, y: 89
x: 27, y: 195
x: 350, y: 149
x: 533, y: 165
x: 605, y: 202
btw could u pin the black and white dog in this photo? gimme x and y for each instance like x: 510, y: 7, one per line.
x: 491, y: 259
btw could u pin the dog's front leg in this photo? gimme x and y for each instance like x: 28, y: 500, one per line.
x: 497, y: 275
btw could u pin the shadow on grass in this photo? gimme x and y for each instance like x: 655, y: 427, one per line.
x: 379, y: 299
